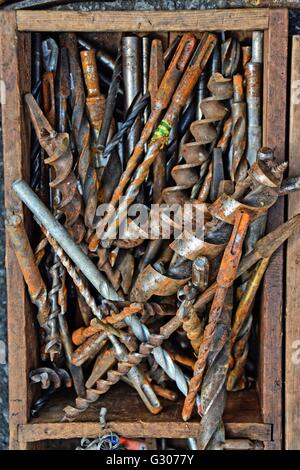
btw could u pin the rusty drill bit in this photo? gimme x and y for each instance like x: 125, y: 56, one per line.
x: 161, y: 134
x: 36, y: 286
x: 238, y: 168
x: 241, y: 318
x: 163, y: 97
x: 253, y: 96
x: 213, y: 394
x: 226, y: 276
x: 45, y: 219
x: 60, y: 157
x: 157, y: 70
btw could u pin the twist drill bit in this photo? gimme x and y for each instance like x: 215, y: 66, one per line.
x: 110, y: 105
x: 95, y: 105
x: 242, y: 317
x: 226, y: 275
x: 163, y: 97
x: 238, y: 168
x: 132, y: 77
x: 157, y: 70
x: 59, y: 233
x: 36, y: 286
x: 36, y: 161
x: 60, y: 157
x: 84, y: 291
x: 57, y: 297
x: 161, y: 134
x: 212, y: 398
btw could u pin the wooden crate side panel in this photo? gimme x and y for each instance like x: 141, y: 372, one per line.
x: 274, y: 128
x: 292, y: 325
x: 15, y: 75
x: 212, y: 20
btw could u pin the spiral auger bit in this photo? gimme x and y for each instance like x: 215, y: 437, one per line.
x: 60, y: 158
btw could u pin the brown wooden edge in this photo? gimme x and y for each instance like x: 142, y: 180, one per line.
x: 274, y: 125
x: 15, y: 74
x: 136, y: 428
x: 276, y: 36
x: 209, y: 20
x: 292, y: 323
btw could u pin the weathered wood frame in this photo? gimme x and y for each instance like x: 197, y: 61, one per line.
x: 15, y: 47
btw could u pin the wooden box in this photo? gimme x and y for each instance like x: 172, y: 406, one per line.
x: 253, y: 414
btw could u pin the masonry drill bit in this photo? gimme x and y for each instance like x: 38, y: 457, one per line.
x: 60, y: 157
x: 58, y: 232
x: 253, y: 96
x: 161, y: 134
x: 163, y: 97
x: 33, y: 279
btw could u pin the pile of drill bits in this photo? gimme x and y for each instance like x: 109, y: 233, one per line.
x: 178, y: 126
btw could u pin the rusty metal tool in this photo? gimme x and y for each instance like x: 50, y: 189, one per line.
x: 60, y: 158
x: 138, y: 379
x: 105, y: 361
x: 90, y: 171
x: 36, y: 286
x: 58, y: 303
x: 135, y: 109
x: 84, y: 291
x: 50, y: 59
x: 253, y: 96
x: 211, y: 434
x: 110, y: 104
x: 63, y: 90
x: 156, y: 72
x: 47, y: 377
x: 36, y: 161
x: 225, y: 278
x: 79, y: 121
x: 145, y: 71
x: 89, y: 349
x: 238, y: 167
x: 191, y: 323
x: 264, y: 248
x: 132, y: 77
x: 230, y: 56
x: 161, y: 134
x: 163, y: 97
x: 242, y: 322
x: 59, y: 233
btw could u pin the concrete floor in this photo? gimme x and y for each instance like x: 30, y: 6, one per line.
x: 106, y: 5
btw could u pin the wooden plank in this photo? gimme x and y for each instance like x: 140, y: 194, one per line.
x: 292, y: 366
x: 274, y: 128
x: 127, y: 416
x: 137, y: 428
x: 15, y: 75
x: 211, y: 20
